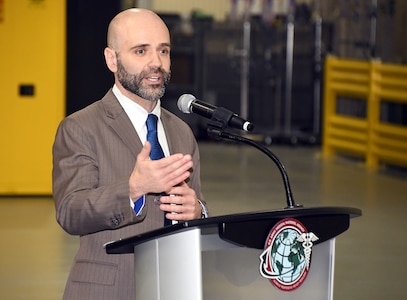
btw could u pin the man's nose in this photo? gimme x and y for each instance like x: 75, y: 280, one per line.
x: 155, y: 60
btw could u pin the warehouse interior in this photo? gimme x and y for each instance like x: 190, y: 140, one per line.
x: 323, y: 81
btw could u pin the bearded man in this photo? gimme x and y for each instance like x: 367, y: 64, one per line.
x: 105, y: 180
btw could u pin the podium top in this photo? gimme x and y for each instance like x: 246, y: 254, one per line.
x: 251, y: 229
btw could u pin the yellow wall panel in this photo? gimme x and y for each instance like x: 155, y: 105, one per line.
x: 32, y: 53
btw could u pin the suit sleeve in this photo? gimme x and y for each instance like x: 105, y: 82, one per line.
x: 84, y: 206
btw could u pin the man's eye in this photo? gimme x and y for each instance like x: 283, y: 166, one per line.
x: 140, y: 51
x: 165, y: 51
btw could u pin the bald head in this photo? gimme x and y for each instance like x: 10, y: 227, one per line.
x: 124, y: 24
x: 138, y: 53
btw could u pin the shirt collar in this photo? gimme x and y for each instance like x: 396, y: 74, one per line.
x: 138, y: 116
x: 136, y: 113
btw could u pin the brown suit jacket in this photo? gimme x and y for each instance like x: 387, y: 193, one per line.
x: 94, y: 154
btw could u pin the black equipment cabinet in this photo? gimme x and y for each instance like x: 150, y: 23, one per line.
x: 284, y: 99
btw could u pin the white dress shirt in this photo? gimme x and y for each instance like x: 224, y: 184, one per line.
x: 138, y: 117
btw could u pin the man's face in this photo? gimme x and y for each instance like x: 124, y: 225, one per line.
x: 145, y: 84
x: 143, y: 58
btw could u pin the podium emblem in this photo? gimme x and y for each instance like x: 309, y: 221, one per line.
x: 286, y: 258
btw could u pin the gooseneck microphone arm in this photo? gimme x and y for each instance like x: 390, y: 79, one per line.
x: 216, y: 130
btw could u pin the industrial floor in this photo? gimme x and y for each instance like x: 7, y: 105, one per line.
x: 371, y: 257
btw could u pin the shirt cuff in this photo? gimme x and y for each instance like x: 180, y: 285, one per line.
x: 204, y: 210
x: 138, y: 205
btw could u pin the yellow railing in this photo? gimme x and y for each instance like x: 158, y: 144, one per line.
x: 368, y: 136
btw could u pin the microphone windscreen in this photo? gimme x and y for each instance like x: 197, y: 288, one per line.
x: 184, y: 103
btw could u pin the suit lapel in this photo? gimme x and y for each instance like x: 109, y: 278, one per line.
x: 175, y: 144
x: 120, y: 123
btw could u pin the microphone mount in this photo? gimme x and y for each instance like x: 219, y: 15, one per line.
x: 220, y: 118
x: 216, y: 129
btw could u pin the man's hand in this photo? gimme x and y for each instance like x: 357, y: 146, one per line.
x: 156, y: 176
x: 183, y: 202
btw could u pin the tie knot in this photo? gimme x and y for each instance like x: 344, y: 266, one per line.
x: 151, y: 122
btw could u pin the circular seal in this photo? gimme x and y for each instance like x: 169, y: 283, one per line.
x: 284, y: 261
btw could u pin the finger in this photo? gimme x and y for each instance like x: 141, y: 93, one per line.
x: 175, y: 174
x: 179, y: 216
x: 171, y: 199
x: 182, y: 185
x: 175, y: 191
x: 145, y: 151
x: 182, y: 189
x: 172, y: 208
x: 174, y: 162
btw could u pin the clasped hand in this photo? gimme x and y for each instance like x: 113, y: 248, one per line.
x: 166, y: 175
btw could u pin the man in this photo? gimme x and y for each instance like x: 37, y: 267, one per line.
x: 105, y: 185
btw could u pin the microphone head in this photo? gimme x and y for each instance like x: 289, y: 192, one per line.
x: 184, y: 103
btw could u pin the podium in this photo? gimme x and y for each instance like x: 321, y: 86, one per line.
x: 277, y: 254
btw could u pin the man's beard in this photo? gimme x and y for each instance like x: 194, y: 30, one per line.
x: 134, y: 82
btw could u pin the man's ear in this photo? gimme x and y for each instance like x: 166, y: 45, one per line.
x: 111, y: 59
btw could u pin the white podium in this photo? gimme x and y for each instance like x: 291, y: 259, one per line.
x: 226, y: 257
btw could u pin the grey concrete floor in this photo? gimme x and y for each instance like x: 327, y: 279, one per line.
x: 35, y: 254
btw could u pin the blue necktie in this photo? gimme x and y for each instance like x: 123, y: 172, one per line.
x: 156, y: 150
x: 152, y: 137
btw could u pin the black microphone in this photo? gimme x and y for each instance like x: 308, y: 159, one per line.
x: 187, y: 103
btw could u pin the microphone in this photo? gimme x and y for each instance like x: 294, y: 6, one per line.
x: 187, y: 103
